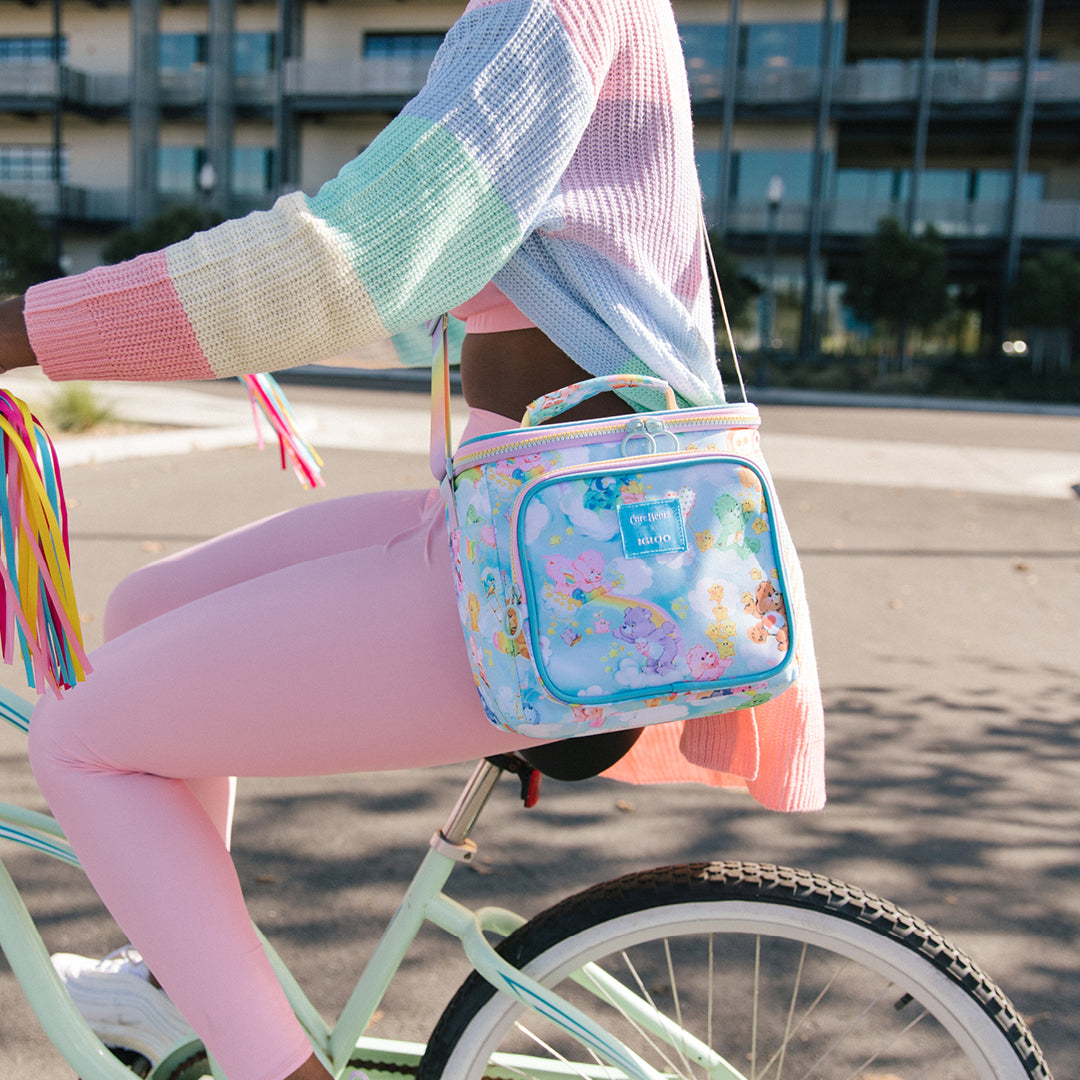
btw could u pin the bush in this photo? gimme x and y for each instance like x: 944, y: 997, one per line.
x: 25, y: 247
x: 76, y: 408
x: 169, y: 227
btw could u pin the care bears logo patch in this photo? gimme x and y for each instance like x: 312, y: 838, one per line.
x: 652, y: 528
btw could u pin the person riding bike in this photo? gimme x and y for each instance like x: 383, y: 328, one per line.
x: 543, y: 184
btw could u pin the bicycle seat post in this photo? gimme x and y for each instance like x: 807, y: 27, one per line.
x: 471, y: 801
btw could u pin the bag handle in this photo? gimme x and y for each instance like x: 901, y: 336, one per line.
x: 441, y: 451
x: 551, y: 405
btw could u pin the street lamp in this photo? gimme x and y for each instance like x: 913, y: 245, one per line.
x: 774, y: 196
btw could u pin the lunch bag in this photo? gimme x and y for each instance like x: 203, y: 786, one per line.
x: 618, y: 572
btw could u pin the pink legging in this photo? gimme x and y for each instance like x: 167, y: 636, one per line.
x: 324, y: 640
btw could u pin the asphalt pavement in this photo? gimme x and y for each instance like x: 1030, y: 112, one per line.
x: 942, y: 555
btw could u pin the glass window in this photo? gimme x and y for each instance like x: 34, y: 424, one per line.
x: 871, y: 185
x: 780, y: 45
x: 178, y: 169
x: 945, y: 185
x: 1032, y: 186
x: 30, y: 50
x: 181, y: 52
x: 993, y: 186
x: 752, y: 170
x: 252, y: 167
x: 253, y: 53
x: 990, y: 185
x: 708, y: 167
x: 401, y: 46
x: 705, y: 50
x: 30, y: 162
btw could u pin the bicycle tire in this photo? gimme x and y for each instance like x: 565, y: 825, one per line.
x: 930, y: 1011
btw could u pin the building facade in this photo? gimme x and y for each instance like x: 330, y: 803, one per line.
x: 814, y: 119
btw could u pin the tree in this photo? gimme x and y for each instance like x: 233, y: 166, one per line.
x: 169, y: 227
x: 738, y: 289
x: 900, y: 280
x: 25, y: 247
x: 1046, y: 300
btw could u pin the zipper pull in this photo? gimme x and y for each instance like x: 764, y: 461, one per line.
x: 648, y: 429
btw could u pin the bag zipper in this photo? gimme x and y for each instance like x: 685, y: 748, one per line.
x: 571, y: 434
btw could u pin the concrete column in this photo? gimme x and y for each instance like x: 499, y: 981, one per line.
x: 288, y: 46
x: 145, y: 108
x: 220, y: 103
x: 922, y: 116
x: 810, y: 329
x: 731, y: 81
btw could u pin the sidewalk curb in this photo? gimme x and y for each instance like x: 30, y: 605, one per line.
x: 419, y: 380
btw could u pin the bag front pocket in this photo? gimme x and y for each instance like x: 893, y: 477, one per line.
x: 653, y: 577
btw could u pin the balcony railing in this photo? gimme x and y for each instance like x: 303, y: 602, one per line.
x: 30, y: 81
x: 953, y: 82
x: 355, y: 78
x: 41, y: 84
x: 1049, y: 219
x: 71, y: 202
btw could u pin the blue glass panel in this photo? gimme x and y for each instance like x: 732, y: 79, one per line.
x: 253, y: 53
x: 705, y: 49
x: 402, y: 46
x: 251, y: 168
x: 178, y: 168
x: 780, y: 45
x: 755, y: 168
x: 181, y: 52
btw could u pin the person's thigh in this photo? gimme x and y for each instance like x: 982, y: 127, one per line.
x: 314, y: 531
x: 354, y: 661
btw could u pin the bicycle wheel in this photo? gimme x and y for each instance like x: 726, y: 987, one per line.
x: 779, y: 973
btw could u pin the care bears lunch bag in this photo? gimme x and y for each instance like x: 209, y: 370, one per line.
x: 619, y: 572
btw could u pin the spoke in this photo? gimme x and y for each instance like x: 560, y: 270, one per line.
x: 892, y: 1042
x: 934, y: 1064
x: 754, y: 1013
x: 652, y: 1004
x: 678, y: 1007
x: 709, y: 999
x: 790, y: 1017
x: 850, y: 1026
x: 530, y: 1034
x: 791, y: 1032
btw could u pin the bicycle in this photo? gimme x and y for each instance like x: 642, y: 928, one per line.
x: 724, y: 971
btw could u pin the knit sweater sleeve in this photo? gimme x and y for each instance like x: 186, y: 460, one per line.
x: 416, y: 224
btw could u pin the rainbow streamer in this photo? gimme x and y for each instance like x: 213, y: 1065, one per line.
x: 266, y: 396
x: 37, y: 599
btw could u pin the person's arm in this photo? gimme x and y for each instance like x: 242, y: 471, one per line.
x: 15, y: 351
x: 415, y: 225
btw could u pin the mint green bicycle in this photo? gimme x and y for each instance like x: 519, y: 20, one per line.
x: 709, y: 971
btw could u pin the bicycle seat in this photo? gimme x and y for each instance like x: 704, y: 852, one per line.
x: 582, y: 757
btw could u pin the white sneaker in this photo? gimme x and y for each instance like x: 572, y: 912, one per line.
x: 122, y: 1006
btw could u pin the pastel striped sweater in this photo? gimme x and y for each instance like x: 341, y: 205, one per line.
x: 550, y: 151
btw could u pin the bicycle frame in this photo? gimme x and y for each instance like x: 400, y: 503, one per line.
x: 344, y: 1041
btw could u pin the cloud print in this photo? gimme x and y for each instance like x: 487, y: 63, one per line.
x: 537, y: 518
x: 597, y: 524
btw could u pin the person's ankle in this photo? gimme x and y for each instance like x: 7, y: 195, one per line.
x: 312, y: 1069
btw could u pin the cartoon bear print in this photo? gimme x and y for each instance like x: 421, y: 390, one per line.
x: 768, y: 607
x: 705, y: 665
x: 638, y: 628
